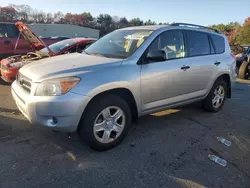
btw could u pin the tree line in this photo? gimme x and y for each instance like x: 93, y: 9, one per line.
x: 238, y: 34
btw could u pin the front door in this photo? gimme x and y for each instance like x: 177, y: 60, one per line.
x: 166, y: 82
x: 20, y: 45
x: 6, y: 44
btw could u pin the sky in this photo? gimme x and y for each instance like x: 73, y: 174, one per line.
x: 204, y: 12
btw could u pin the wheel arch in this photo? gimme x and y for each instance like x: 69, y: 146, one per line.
x: 122, y: 92
x: 225, y: 77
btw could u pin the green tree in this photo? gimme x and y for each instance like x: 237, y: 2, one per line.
x: 220, y: 27
x: 105, y: 23
x: 136, y: 22
x: 149, y: 22
x: 123, y: 22
x: 163, y: 23
x: 244, y: 34
x: 231, y: 30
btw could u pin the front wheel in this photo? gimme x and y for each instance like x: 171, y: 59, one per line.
x: 216, y: 97
x: 105, y: 122
x: 244, y: 72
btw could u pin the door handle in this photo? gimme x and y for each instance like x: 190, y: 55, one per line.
x: 217, y: 63
x: 185, y: 67
x: 7, y: 42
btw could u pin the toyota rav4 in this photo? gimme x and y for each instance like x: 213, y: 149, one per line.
x: 126, y: 74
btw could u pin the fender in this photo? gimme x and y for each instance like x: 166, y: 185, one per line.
x: 216, y: 78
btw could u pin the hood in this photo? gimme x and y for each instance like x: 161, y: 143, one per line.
x: 64, y: 65
x: 29, y: 36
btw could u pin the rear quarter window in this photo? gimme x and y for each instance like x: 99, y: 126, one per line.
x: 198, y: 43
x: 218, y: 43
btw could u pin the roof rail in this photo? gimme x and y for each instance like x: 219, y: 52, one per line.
x: 194, y: 25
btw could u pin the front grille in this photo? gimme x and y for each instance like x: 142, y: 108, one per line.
x: 24, y: 82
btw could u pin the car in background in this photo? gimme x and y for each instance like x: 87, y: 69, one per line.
x: 244, y: 64
x: 11, y: 65
x: 55, y: 37
x: 243, y: 57
x: 12, y: 42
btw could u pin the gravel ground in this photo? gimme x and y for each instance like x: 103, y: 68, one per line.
x: 166, y: 149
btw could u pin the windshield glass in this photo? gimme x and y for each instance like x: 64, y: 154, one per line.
x: 119, y: 44
x: 58, y: 46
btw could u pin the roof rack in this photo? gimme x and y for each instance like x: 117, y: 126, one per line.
x: 194, y: 25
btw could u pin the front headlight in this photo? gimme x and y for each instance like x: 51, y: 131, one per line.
x: 17, y: 64
x: 55, y: 87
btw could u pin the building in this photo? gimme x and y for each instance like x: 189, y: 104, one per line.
x: 67, y: 30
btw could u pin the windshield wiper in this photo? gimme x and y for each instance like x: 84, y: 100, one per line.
x: 105, y: 55
x: 96, y: 54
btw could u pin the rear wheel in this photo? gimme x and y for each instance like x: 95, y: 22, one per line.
x: 244, y: 72
x: 105, y: 122
x: 216, y: 97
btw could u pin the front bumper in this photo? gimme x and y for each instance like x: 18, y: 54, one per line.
x: 8, y: 74
x: 7, y: 78
x: 67, y: 109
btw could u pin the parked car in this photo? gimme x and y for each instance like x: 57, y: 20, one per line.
x: 243, y: 63
x: 55, y: 37
x: 12, y: 43
x: 11, y: 65
x: 126, y: 74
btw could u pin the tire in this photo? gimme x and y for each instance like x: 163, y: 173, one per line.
x: 2, y: 82
x: 208, y: 101
x: 95, y: 113
x: 244, y: 71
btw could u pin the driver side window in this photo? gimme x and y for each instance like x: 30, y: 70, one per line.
x: 171, y: 43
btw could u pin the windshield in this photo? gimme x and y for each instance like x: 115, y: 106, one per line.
x: 58, y: 46
x: 119, y: 44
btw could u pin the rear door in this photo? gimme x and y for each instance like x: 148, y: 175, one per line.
x: 203, y: 61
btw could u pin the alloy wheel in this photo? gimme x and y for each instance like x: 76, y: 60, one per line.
x: 219, y: 95
x: 109, y: 124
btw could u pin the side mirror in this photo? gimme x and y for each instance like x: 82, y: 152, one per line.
x: 156, y: 55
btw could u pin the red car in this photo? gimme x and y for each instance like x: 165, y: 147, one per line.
x: 12, y: 42
x: 11, y: 65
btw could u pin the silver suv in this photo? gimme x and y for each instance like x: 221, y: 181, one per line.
x: 126, y: 74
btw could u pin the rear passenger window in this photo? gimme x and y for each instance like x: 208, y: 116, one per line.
x: 198, y: 43
x: 219, y: 43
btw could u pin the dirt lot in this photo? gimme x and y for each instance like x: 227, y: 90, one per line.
x: 167, y: 149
